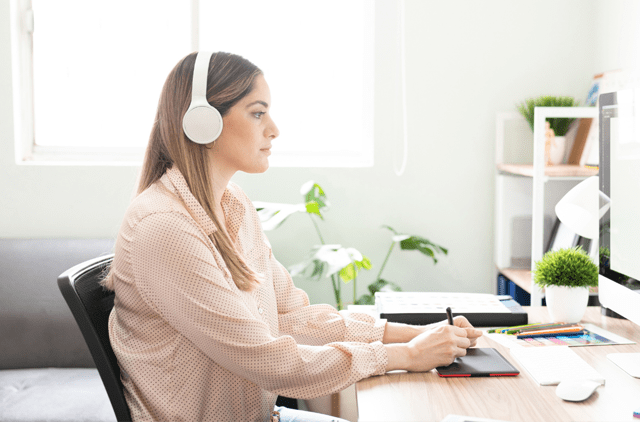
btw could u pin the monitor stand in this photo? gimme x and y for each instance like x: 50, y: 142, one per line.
x: 628, y: 362
x: 608, y: 312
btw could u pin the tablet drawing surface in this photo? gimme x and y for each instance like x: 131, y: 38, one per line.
x: 479, y: 362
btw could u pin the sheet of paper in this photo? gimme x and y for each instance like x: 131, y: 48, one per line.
x: 595, y: 336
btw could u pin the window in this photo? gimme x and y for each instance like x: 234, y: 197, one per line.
x: 317, y: 58
x: 98, y: 67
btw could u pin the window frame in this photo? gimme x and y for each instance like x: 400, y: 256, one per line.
x: 27, y: 152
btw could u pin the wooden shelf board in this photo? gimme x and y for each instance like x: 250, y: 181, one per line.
x: 521, y: 277
x: 562, y: 170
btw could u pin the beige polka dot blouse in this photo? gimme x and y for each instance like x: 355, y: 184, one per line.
x: 192, y: 346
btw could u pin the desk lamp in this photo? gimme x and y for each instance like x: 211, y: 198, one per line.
x: 579, y: 210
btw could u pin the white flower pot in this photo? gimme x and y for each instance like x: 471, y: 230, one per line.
x: 566, y: 304
x: 556, y: 154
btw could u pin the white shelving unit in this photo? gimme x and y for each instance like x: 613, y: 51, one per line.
x: 520, y: 190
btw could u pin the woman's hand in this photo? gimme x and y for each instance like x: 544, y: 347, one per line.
x: 472, y: 333
x: 403, y: 333
x: 437, y: 345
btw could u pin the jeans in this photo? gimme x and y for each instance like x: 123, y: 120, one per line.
x: 293, y: 415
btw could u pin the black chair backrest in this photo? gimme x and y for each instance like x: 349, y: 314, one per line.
x: 91, y: 305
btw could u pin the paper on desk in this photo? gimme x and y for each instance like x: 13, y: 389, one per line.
x: 596, y: 337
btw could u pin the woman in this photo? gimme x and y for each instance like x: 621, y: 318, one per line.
x: 207, y: 325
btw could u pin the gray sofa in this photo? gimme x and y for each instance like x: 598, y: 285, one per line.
x: 46, y: 371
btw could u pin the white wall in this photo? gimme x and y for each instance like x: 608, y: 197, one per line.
x: 466, y: 61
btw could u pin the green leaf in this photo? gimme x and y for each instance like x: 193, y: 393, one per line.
x: 566, y: 267
x: 347, y: 262
x: 383, y: 285
x: 318, y: 269
x: 311, y: 267
x: 313, y: 193
x: 329, y: 260
x: 376, y: 286
x: 559, y: 125
x: 272, y: 215
x: 424, y: 246
x: 348, y: 273
x: 366, y: 300
x: 313, y: 208
x: 298, y: 268
x: 366, y: 263
x: 410, y: 243
x: 426, y: 251
x: 390, y: 228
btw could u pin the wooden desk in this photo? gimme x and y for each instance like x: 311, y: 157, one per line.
x: 404, y: 396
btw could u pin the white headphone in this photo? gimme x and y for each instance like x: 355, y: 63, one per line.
x: 202, y: 123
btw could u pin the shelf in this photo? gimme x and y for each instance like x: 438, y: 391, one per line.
x: 508, y: 203
x: 561, y: 170
x: 522, y: 278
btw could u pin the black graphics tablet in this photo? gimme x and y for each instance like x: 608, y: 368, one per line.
x: 481, y: 362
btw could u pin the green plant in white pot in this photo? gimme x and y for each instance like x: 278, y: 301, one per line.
x: 557, y: 126
x: 566, y: 275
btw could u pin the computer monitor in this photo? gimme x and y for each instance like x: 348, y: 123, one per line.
x: 619, y: 179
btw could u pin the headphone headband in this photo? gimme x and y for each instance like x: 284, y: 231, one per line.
x: 200, y: 73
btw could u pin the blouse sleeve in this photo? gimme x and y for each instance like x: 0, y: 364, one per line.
x: 319, y: 324
x: 177, y: 276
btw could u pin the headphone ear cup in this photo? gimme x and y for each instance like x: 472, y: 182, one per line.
x: 202, y: 123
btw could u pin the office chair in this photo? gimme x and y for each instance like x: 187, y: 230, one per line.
x: 90, y: 305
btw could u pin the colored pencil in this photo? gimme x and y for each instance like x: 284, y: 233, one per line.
x: 505, y: 329
x: 569, y: 334
x: 553, y: 331
x: 556, y: 330
x: 524, y: 331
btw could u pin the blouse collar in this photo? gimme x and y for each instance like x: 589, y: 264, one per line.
x: 193, y: 206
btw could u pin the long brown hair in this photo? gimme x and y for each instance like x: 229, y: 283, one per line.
x: 230, y: 78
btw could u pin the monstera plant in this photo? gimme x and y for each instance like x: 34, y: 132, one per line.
x: 340, y: 264
x: 407, y: 243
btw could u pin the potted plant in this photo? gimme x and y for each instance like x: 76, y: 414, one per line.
x: 556, y: 127
x: 329, y: 260
x: 340, y: 264
x: 566, y: 275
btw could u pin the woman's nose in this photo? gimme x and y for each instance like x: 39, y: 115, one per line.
x: 273, y: 130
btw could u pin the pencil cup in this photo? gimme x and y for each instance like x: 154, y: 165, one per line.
x: 566, y: 304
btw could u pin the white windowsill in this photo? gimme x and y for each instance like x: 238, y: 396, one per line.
x: 132, y: 157
x: 67, y: 156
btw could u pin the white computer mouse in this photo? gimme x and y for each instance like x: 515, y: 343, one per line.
x: 576, y: 390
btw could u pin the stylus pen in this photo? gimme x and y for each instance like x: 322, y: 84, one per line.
x: 449, y: 316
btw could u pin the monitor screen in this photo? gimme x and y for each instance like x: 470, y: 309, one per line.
x: 619, y: 174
